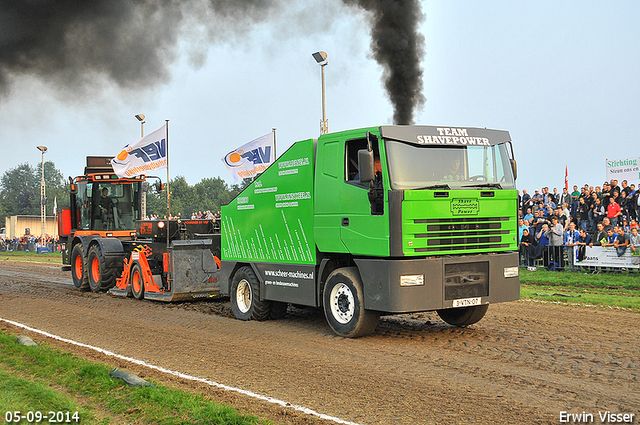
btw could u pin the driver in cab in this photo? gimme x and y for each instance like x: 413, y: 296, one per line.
x: 453, y: 172
x: 104, y: 199
x: 104, y: 204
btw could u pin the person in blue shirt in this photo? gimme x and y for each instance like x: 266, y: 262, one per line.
x: 521, y: 227
x: 612, y: 237
x: 528, y: 216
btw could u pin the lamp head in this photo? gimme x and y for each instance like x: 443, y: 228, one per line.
x: 140, y: 117
x: 42, y: 149
x: 320, y: 57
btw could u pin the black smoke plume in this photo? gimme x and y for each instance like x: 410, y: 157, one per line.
x: 82, y: 45
x: 79, y: 44
x: 398, y: 46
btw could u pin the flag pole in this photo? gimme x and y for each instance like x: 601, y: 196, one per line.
x: 167, y: 142
x: 275, y: 154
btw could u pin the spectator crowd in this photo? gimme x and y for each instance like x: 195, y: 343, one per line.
x: 30, y: 243
x: 553, y: 225
x: 199, y: 215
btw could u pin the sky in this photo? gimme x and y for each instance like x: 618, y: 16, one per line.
x: 560, y: 76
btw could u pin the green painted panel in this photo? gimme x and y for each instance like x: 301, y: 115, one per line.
x: 272, y: 219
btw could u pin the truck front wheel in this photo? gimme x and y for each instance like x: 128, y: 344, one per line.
x: 78, y: 270
x: 245, y: 296
x: 344, y: 304
x: 463, y: 316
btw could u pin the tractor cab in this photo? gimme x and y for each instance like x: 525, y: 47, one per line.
x: 104, y: 202
x: 110, y: 204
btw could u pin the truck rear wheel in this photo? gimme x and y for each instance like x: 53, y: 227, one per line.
x: 463, y: 316
x: 245, y: 296
x: 100, y: 277
x: 78, y: 272
x: 344, y: 304
x: 137, y: 281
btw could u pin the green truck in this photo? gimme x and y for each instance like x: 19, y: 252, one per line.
x: 377, y: 221
x: 363, y: 223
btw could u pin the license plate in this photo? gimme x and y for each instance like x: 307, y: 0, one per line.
x: 466, y: 302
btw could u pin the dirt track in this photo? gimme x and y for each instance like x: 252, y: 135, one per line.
x: 523, y: 363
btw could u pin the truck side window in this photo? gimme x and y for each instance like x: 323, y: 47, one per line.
x: 351, y: 157
x: 352, y: 174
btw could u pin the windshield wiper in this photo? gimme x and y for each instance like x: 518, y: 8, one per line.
x: 493, y: 185
x: 435, y: 186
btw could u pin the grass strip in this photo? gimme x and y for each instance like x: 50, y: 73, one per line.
x: 617, y: 290
x: 25, y: 395
x: 48, y: 257
x: 622, y: 280
x: 44, y: 379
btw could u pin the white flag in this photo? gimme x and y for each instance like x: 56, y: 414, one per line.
x: 55, y: 206
x: 145, y: 155
x: 251, y: 158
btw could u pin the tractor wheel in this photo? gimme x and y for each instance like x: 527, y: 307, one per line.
x: 278, y: 310
x: 343, y: 301
x: 78, y: 271
x: 245, y: 296
x: 101, y: 278
x: 137, y: 281
x: 463, y: 316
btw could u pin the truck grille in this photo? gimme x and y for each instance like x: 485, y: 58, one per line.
x: 462, y: 234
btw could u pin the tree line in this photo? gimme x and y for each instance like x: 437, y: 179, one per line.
x: 20, y: 193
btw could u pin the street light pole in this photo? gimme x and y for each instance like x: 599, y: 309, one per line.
x: 143, y: 198
x: 321, y: 58
x: 43, y: 199
x: 140, y: 118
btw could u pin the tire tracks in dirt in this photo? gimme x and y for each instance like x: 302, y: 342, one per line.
x: 523, y: 363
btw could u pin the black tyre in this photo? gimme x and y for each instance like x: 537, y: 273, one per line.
x: 278, y: 310
x: 136, y: 280
x: 245, y: 296
x: 463, y: 316
x: 78, y: 269
x: 101, y: 278
x: 343, y: 301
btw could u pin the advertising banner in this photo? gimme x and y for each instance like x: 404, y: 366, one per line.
x: 598, y: 256
x: 623, y: 169
x: 145, y: 155
x: 251, y: 158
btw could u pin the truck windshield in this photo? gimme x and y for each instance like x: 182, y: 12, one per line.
x: 454, y: 167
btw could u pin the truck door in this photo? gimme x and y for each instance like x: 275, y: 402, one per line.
x: 343, y: 207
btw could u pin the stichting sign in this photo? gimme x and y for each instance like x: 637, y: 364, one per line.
x: 623, y: 169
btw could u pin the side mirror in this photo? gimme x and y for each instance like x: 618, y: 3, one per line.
x: 514, y: 168
x: 159, y: 186
x: 145, y: 187
x: 365, y: 165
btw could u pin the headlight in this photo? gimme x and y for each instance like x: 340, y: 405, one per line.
x: 511, y: 271
x: 412, y: 280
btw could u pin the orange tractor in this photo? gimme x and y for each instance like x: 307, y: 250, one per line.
x: 109, y: 247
